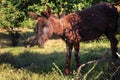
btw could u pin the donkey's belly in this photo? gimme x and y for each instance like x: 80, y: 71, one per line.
x: 90, y: 35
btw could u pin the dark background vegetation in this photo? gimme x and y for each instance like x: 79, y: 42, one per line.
x: 13, y: 12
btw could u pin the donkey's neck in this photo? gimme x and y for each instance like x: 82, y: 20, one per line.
x: 65, y: 22
x: 57, y: 25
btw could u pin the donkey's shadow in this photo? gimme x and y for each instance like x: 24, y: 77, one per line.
x: 43, y: 63
x: 33, y: 61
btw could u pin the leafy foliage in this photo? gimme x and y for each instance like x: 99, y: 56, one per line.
x: 10, y: 16
x: 13, y: 12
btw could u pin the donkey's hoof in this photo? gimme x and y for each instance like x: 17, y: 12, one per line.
x: 66, y: 72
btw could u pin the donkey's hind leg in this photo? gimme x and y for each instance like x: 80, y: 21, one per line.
x: 114, y: 43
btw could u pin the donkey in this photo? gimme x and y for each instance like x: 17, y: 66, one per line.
x: 79, y: 26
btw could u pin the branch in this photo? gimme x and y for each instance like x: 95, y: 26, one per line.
x: 114, y: 74
x: 94, y: 61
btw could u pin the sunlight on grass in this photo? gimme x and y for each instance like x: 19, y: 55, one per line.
x: 20, y: 63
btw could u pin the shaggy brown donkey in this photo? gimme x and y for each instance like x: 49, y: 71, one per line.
x: 79, y: 26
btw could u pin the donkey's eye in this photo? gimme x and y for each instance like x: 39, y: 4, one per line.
x: 44, y: 25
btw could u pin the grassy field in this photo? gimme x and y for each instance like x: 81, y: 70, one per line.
x: 48, y: 63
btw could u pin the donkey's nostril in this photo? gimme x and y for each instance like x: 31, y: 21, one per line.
x: 41, y: 46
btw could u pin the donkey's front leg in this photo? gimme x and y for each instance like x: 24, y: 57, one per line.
x: 76, y: 47
x: 68, y: 58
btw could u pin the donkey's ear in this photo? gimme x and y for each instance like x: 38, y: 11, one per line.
x: 47, y: 13
x: 48, y: 10
x: 33, y: 15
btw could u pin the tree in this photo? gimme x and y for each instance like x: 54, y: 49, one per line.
x: 13, y: 12
x: 10, y: 16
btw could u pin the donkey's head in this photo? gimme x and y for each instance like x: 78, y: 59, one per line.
x: 43, y: 26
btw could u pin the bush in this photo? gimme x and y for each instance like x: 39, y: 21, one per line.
x: 13, y: 12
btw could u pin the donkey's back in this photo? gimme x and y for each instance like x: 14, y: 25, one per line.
x: 97, y: 20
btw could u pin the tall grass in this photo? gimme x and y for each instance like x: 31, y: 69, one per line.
x: 20, y: 63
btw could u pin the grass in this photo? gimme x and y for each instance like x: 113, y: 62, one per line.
x: 20, y: 63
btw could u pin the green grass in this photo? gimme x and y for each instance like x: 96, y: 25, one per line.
x: 20, y: 63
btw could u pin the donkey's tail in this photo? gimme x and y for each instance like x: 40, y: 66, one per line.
x: 117, y: 19
x: 117, y: 10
